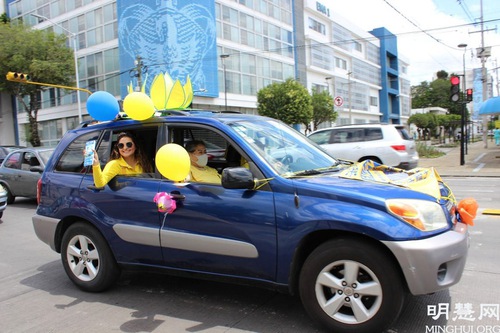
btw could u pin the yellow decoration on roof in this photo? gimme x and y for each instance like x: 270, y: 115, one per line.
x: 168, y: 94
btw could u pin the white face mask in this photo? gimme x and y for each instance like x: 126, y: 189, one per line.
x: 202, y: 160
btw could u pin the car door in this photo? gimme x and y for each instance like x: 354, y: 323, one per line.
x: 16, y: 173
x: 221, y: 231
x: 344, y: 144
x: 124, y: 209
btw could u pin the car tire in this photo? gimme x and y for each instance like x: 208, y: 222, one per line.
x: 10, y: 197
x: 87, y: 258
x: 350, y: 286
x: 374, y: 159
x: 1, y: 214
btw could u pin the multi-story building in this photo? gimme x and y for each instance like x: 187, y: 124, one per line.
x: 227, y: 49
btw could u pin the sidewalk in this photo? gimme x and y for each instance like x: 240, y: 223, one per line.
x: 479, y: 161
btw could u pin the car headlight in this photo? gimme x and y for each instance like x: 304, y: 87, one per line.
x: 421, y: 214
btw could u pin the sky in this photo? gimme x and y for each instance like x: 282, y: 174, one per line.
x: 429, y: 31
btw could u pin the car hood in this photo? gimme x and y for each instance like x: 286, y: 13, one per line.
x: 344, y: 189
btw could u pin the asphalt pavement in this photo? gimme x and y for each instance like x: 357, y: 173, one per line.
x: 480, y: 161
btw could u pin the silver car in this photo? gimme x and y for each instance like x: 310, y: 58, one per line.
x: 3, y: 200
x: 382, y: 143
x: 21, y: 170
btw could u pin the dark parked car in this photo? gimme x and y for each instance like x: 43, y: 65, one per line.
x: 5, y: 150
x: 20, y: 171
x: 351, y: 249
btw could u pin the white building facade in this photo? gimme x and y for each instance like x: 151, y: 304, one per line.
x: 228, y: 49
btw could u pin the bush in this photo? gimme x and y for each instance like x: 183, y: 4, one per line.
x: 428, y: 151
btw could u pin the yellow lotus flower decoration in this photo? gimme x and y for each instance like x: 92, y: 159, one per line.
x: 167, y: 94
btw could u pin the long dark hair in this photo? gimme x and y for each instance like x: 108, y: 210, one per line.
x: 138, y: 154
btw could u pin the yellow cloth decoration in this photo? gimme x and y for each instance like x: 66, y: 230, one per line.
x: 425, y: 180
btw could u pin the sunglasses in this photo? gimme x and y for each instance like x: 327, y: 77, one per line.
x: 129, y: 145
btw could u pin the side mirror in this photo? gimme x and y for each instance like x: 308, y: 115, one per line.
x: 237, y: 178
x: 36, y: 169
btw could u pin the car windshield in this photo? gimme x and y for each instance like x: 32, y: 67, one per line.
x: 45, y: 155
x: 287, y: 151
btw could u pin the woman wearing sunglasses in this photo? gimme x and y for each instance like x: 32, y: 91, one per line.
x: 126, y: 159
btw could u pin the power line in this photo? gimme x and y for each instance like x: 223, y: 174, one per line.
x: 465, y: 9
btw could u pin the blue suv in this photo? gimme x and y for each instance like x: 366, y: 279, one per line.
x: 282, y: 218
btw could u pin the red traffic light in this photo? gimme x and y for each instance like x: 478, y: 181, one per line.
x: 469, y: 95
x: 455, y: 89
x: 455, y: 80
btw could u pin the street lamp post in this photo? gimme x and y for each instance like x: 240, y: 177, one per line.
x: 75, y: 56
x: 463, y: 136
x: 349, y: 93
x: 224, y: 56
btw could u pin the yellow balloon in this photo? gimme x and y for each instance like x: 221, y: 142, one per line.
x: 138, y: 106
x: 173, y: 162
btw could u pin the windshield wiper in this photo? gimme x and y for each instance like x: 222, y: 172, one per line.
x: 310, y: 172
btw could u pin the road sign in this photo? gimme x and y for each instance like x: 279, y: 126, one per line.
x: 338, y: 101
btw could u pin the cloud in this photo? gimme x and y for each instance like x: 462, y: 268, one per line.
x: 428, y: 36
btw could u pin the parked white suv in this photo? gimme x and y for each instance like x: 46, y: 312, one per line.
x: 383, y: 143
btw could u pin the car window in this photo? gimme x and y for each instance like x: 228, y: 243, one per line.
x: 216, y: 144
x: 29, y: 160
x: 283, y: 148
x: 355, y: 135
x: 340, y: 136
x: 146, y: 140
x: 45, y: 155
x: 72, y: 158
x: 321, y: 138
x: 404, y: 133
x: 373, y: 134
x: 13, y: 161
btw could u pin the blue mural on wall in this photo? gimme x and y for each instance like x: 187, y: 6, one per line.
x: 169, y: 36
x: 477, y: 94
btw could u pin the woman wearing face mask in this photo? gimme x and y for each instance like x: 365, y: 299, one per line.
x: 200, y: 172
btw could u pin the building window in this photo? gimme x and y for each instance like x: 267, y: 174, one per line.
x: 357, y: 46
x: 317, y: 26
x: 341, y: 63
x: 373, y: 101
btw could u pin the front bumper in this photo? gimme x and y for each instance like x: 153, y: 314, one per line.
x: 3, y: 203
x: 435, y: 263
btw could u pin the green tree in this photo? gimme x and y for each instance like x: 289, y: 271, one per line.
x: 435, y: 93
x: 322, y: 108
x: 421, y: 120
x: 450, y: 123
x: 287, y: 101
x: 420, y: 96
x: 41, y: 54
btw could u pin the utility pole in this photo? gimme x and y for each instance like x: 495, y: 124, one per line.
x: 138, y: 68
x: 350, y: 97
x: 481, y: 53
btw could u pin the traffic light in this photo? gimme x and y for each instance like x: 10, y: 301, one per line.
x: 455, y: 88
x: 17, y: 77
x: 469, y: 95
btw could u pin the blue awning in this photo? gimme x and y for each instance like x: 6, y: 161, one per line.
x: 491, y: 106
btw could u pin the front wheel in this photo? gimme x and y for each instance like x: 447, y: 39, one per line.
x: 87, y: 258
x: 349, y: 286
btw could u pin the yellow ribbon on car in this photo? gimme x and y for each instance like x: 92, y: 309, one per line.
x: 425, y: 180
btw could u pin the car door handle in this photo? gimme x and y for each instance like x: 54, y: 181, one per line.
x: 95, y: 188
x: 177, y: 196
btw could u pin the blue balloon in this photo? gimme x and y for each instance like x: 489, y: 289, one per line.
x: 102, y: 106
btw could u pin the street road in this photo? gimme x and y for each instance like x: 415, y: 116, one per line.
x: 36, y: 295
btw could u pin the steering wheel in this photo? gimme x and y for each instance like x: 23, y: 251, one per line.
x: 286, y: 160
